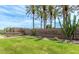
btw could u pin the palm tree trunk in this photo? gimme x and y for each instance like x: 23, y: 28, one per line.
x: 33, y: 22
x: 54, y: 23
x: 51, y: 22
x: 41, y: 23
x: 44, y: 24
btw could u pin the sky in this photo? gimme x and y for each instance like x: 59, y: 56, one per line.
x: 15, y: 16
x: 12, y: 16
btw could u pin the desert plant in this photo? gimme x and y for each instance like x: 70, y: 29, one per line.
x: 69, y: 27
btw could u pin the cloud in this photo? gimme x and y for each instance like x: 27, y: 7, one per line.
x: 12, y: 15
x: 12, y: 10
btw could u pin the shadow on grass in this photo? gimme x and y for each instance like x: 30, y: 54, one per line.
x: 39, y: 39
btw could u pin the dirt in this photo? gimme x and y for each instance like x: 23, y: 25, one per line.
x: 3, y: 37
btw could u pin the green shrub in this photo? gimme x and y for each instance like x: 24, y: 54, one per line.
x: 48, y: 26
x: 69, y: 27
x: 33, y: 32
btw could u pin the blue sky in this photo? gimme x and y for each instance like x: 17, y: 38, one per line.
x: 12, y: 16
x: 15, y: 16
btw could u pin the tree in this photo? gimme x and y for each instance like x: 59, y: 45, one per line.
x: 51, y: 12
x: 44, y: 15
x: 57, y: 13
x: 39, y: 12
x: 31, y: 10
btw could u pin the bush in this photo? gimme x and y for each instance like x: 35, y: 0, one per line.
x: 33, y: 32
x: 69, y: 27
x: 48, y: 26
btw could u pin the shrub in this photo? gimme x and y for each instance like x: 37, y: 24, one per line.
x: 48, y: 26
x: 33, y: 32
x: 69, y: 27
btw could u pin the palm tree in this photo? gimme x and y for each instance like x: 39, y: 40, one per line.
x: 33, y: 13
x: 41, y: 16
x: 39, y: 12
x: 51, y: 11
x: 44, y: 15
x: 31, y: 10
x: 56, y: 14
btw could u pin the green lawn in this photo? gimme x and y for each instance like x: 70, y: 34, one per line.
x: 31, y: 45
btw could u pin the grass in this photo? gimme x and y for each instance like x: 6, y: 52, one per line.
x: 31, y: 45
